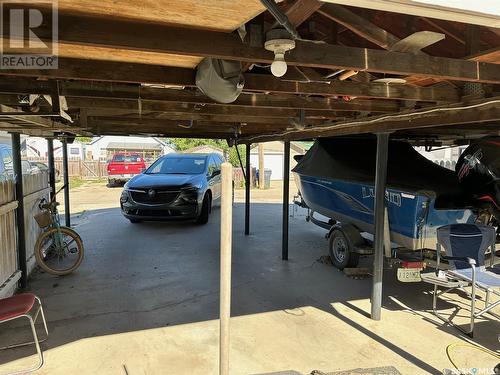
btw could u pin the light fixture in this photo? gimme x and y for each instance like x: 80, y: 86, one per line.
x: 279, y: 41
x: 389, y: 81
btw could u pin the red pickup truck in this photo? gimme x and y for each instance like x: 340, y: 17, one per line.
x: 123, y: 166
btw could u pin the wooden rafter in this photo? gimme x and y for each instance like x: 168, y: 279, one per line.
x: 487, y: 110
x: 255, y: 83
x: 301, y: 10
x: 134, y: 92
x: 120, y: 36
x: 359, y: 25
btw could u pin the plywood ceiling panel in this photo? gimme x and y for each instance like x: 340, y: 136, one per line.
x: 220, y: 15
x: 126, y: 55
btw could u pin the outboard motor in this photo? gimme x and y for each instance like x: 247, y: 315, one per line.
x: 478, y: 172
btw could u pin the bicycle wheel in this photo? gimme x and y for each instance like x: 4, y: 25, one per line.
x: 59, y: 252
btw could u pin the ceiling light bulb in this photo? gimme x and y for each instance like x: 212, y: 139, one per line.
x: 278, y: 67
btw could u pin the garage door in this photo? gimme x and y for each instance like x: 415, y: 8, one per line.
x: 274, y: 162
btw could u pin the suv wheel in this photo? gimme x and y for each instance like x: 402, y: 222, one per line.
x: 205, y: 210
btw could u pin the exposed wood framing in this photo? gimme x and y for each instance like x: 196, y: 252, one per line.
x: 153, y: 74
x: 301, y: 10
x: 359, y: 25
x: 424, y: 9
x: 120, y: 37
x: 145, y: 94
x: 472, y: 113
x: 183, y: 117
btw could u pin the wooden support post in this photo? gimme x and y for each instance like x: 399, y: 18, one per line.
x: 67, y: 211
x: 286, y: 203
x: 226, y: 228
x: 52, y: 168
x: 248, y: 182
x: 378, y: 261
x: 21, y: 236
x: 261, y: 166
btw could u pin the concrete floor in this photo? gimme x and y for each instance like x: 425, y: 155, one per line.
x: 145, y: 301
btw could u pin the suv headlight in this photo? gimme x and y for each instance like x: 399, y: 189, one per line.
x: 124, y: 196
x: 190, y: 194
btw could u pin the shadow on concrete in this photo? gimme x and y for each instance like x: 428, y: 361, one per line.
x: 157, y: 274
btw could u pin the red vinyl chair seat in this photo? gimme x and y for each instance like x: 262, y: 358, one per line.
x: 16, y: 305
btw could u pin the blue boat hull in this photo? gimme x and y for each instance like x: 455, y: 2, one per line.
x: 413, y: 220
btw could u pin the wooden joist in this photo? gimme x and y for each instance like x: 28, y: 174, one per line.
x: 100, y: 107
x: 484, y: 111
x: 95, y: 90
x: 184, y: 117
x: 116, y: 36
x: 359, y: 25
x: 153, y: 74
x: 301, y: 10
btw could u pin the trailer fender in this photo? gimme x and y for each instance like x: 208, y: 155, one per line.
x: 352, y: 233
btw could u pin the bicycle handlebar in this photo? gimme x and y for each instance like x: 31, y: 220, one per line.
x: 43, y: 205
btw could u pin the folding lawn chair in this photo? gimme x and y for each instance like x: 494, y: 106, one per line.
x: 466, y: 246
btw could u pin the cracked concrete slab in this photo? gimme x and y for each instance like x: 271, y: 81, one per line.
x: 145, y: 301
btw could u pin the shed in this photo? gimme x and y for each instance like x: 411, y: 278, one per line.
x: 274, y: 156
x: 104, y: 147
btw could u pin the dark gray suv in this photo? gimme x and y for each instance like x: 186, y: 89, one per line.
x: 176, y: 186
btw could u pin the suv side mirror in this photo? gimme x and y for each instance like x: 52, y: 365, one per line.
x: 216, y: 172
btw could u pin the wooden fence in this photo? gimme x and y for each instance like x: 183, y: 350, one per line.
x: 79, y: 168
x: 35, y: 187
x: 9, y: 273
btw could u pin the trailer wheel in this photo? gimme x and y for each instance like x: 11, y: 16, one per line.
x: 341, y: 250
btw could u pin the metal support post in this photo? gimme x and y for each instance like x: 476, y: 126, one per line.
x: 248, y: 183
x: 286, y: 203
x: 21, y: 239
x: 67, y: 211
x: 378, y: 261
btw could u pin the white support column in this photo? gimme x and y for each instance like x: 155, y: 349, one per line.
x: 226, y: 229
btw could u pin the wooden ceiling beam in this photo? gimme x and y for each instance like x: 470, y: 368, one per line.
x: 127, y: 106
x: 185, y: 117
x: 112, y: 130
x: 152, y: 74
x: 435, y: 23
x: 174, y: 124
x: 358, y: 25
x: 15, y: 116
x: 300, y: 11
x: 262, y: 83
x: 425, y: 9
x: 117, y: 35
x: 487, y: 110
x: 96, y: 90
x: 489, y: 56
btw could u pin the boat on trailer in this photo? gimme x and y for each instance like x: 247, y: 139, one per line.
x: 336, y: 178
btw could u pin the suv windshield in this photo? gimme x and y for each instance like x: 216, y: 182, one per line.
x: 178, y: 165
x: 134, y: 158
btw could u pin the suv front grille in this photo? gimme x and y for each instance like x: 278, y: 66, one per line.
x: 153, y: 196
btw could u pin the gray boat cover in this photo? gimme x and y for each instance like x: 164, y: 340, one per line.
x: 353, y: 160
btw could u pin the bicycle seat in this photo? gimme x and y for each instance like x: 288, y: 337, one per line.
x: 49, y: 205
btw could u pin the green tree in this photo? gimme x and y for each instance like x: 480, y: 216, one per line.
x: 182, y: 144
x: 84, y: 139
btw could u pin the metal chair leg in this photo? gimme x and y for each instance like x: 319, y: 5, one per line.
x: 43, y: 318
x: 434, y: 299
x: 37, y: 346
x: 35, y: 341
